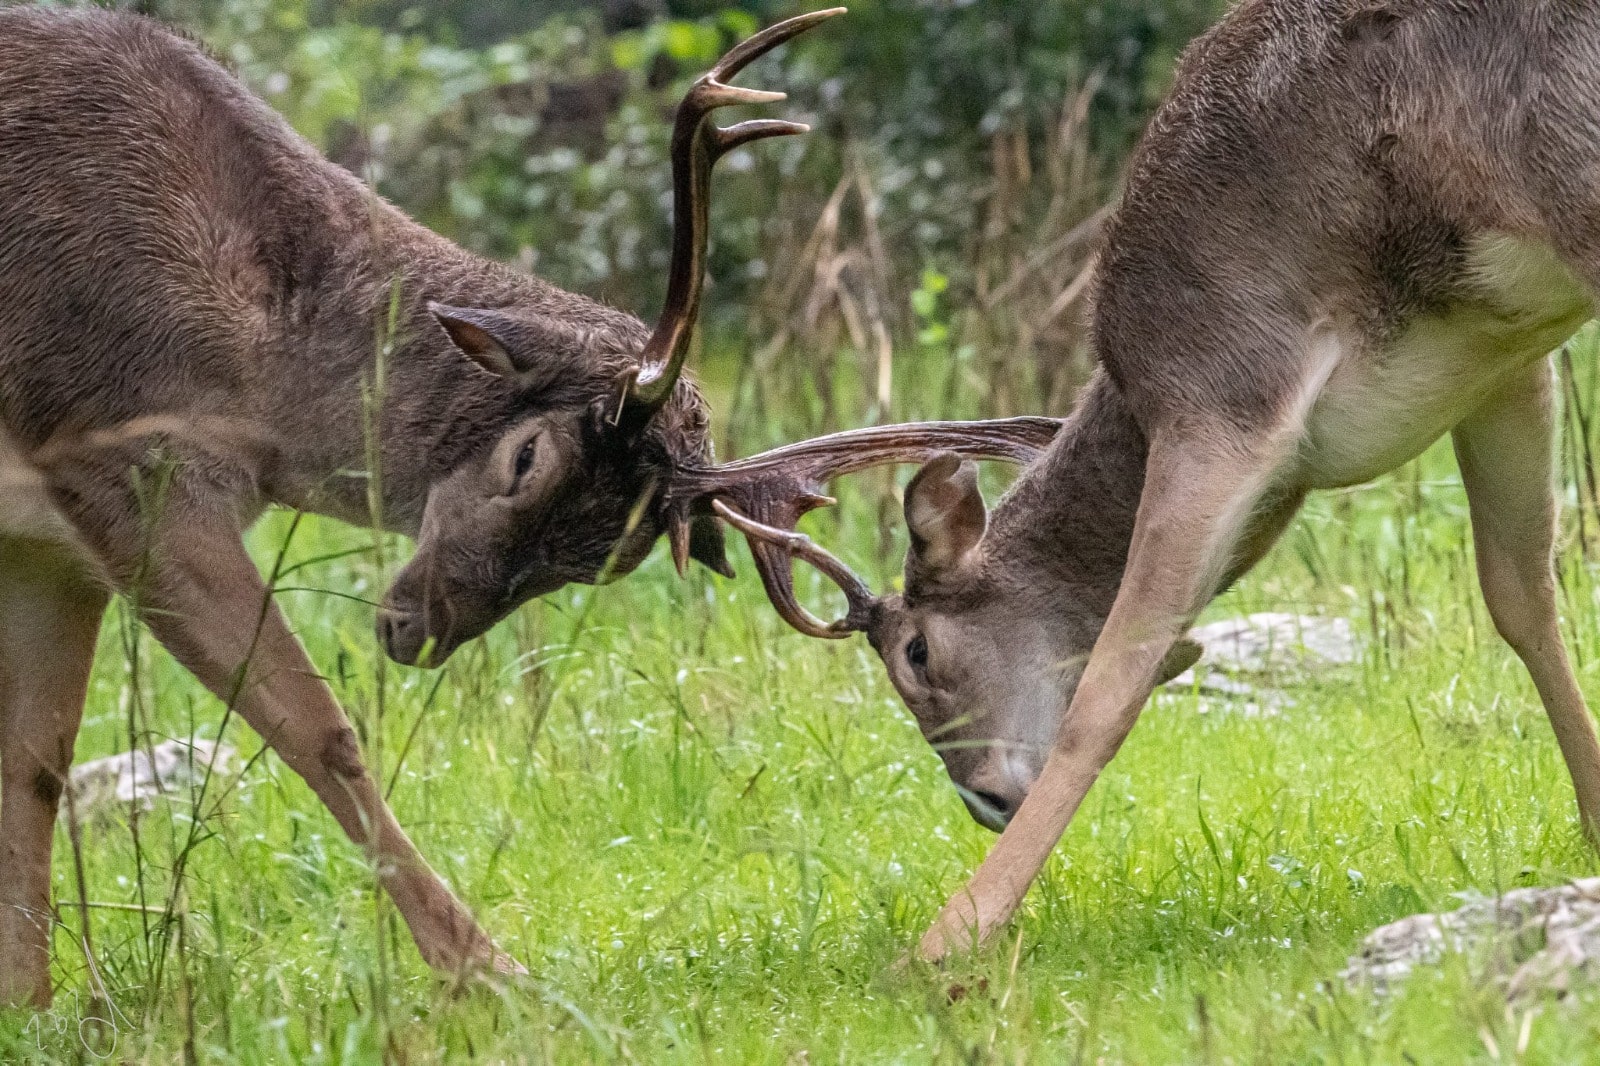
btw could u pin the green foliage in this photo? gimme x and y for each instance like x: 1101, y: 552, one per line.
x: 538, y: 133
x: 926, y: 305
x: 711, y: 839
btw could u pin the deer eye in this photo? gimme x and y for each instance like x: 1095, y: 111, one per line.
x: 524, y: 461
x: 917, y: 655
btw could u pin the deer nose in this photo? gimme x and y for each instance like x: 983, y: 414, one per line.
x: 990, y: 809
x: 997, y: 786
x: 402, y: 634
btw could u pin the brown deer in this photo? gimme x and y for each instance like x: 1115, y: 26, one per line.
x: 1353, y: 227
x: 178, y: 266
x: 200, y: 316
x: 182, y: 274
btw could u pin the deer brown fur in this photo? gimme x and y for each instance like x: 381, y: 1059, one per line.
x: 1354, y: 226
x: 199, y: 317
x: 169, y: 246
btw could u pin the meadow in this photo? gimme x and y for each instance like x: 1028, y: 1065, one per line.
x: 711, y: 840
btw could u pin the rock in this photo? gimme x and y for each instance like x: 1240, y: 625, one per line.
x: 135, y: 779
x: 1535, y: 940
x: 1289, y: 647
x: 1273, y: 641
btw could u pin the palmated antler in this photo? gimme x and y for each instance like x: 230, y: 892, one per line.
x: 765, y: 495
x: 697, y: 144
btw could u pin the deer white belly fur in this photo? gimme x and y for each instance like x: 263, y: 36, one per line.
x: 1383, y: 405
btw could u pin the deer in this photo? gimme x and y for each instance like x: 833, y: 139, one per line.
x: 1353, y: 227
x: 202, y: 317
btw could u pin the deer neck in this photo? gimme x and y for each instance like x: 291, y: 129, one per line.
x: 1066, y: 524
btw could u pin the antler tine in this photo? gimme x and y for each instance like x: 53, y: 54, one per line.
x: 765, y: 495
x: 757, y: 129
x: 696, y: 146
x: 747, y: 51
x: 775, y: 549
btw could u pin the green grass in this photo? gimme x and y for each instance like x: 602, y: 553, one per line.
x: 710, y: 839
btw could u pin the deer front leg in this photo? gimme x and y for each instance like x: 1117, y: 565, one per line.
x: 1199, y: 494
x: 210, y: 608
x: 202, y: 597
x: 1505, y: 451
x: 49, y: 619
x: 213, y: 612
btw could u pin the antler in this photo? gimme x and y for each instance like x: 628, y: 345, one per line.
x: 697, y: 144
x: 772, y: 547
x: 765, y: 495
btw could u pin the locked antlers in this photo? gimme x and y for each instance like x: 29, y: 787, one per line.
x: 772, y: 547
x: 697, y: 144
x: 765, y: 495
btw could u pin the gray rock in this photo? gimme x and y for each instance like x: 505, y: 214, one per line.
x: 136, y: 779
x: 1274, y: 641
x: 1534, y: 941
x: 1241, y: 653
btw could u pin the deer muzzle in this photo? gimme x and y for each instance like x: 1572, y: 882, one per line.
x: 997, y: 785
x: 406, y: 638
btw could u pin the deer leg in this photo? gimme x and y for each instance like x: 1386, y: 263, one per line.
x: 178, y: 552
x: 208, y: 605
x: 1505, y: 452
x: 49, y: 619
x: 1200, y: 494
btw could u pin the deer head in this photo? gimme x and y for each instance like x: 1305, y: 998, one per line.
x: 951, y: 643
x: 572, y: 486
x: 984, y: 659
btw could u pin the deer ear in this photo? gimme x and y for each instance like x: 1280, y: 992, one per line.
x: 478, y: 335
x: 945, y: 513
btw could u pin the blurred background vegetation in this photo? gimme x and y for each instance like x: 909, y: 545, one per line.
x: 922, y: 253
x: 710, y: 838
